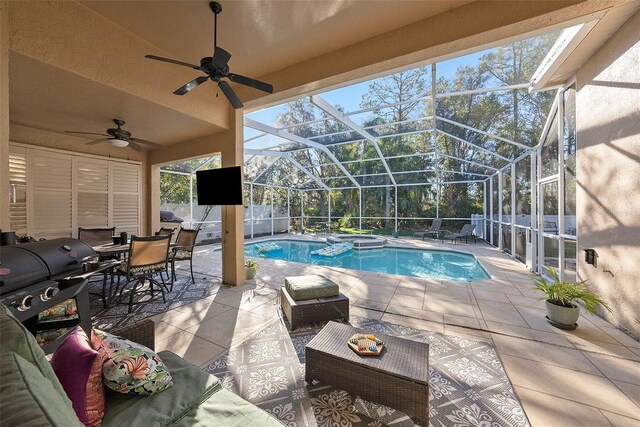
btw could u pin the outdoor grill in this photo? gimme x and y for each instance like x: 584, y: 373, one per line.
x: 39, y: 275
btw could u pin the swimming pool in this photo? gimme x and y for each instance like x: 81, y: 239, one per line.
x: 445, y: 265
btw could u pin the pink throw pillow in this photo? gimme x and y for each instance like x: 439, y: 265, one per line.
x: 79, y: 369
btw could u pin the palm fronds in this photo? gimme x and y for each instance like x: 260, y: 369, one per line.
x: 565, y: 293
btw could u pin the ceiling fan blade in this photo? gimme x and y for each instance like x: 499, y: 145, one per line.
x: 230, y: 94
x: 134, y: 145
x: 144, y: 141
x: 220, y: 57
x: 191, y: 85
x: 173, y: 61
x: 247, y: 81
x: 86, y: 133
x: 97, y: 141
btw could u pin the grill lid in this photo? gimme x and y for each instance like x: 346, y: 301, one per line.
x: 20, y: 268
x: 62, y: 256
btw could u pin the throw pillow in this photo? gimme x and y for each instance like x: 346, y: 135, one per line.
x: 79, y: 369
x: 129, y: 367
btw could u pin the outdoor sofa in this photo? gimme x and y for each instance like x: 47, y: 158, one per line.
x: 30, y: 393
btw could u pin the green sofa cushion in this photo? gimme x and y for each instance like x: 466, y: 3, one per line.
x: 28, y: 398
x: 16, y: 338
x: 191, y: 386
x: 196, y: 398
x: 227, y: 409
x: 310, y: 287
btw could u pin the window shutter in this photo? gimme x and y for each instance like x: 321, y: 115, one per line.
x: 125, y: 190
x: 92, y: 184
x: 18, y: 196
x: 51, y: 194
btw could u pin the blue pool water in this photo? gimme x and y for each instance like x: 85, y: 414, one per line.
x: 445, y: 265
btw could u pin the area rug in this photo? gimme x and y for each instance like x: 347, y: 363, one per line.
x: 468, y: 386
x: 117, y: 315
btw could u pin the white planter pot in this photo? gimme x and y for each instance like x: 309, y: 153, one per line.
x: 250, y: 272
x: 562, y: 317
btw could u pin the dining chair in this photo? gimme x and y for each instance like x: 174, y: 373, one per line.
x: 183, y: 251
x: 96, y: 236
x: 165, y: 231
x: 148, y: 256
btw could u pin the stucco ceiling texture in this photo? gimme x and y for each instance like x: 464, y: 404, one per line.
x: 264, y: 35
x: 46, y: 97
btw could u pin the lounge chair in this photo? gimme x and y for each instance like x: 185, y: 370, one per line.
x: 433, y: 231
x: 467, y: 231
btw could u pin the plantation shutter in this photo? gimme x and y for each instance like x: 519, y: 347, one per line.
x: 51, y: 194
x: 125, y: 209
x: 92, y: 186
x: 18, y: 196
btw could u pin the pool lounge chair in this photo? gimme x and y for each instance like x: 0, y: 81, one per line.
x: 433, y: 231
x: 465, y: 233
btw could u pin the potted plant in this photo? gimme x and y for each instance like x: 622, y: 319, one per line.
x: 560, y: 297
x: 250, y: 269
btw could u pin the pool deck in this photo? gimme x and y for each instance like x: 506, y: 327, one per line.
x: 589, y: 376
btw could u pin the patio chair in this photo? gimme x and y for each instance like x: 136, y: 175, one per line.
x: 467, y: 231
x: 432, y: 231
x: 165, y: 231
x: 183, y: 251
x: 148, y: 256
x: 96, y: 236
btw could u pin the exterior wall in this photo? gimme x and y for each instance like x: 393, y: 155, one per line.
x: 608, y: 173
x: 4, y: 115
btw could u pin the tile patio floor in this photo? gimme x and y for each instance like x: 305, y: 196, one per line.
x: 586, y: 377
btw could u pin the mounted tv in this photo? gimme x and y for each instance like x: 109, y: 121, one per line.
x: 221, y: 186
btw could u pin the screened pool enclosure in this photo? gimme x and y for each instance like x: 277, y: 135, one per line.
x: 465, y: 140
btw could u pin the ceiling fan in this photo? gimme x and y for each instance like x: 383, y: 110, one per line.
x: 216, y: 68
x: 118, y: 137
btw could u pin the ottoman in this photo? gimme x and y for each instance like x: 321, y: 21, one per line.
x: 312, y: 299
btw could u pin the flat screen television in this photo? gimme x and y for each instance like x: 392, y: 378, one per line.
x: 221, y: 186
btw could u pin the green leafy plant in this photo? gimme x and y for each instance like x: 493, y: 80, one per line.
x: 251, y: 264
x: 565, y: 293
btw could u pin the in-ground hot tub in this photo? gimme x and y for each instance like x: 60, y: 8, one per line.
x: 360, y: 241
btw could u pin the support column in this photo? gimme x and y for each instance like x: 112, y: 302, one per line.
x: 288, y: 210
x: 271, y: 198
x: 360, y: 209
x: 191, y: 199
x: 251, y: 206
x: 329, y: 218
x: 233, y: 216
x: 301, y: 210
x: 395, y: 227
x: 5, y: 185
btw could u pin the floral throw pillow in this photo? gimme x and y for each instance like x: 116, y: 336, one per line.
x: 129, y: 367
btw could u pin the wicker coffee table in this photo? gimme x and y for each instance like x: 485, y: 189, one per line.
x: 398, y: 378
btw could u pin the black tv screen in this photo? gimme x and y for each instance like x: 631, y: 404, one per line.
x: 220, y: 186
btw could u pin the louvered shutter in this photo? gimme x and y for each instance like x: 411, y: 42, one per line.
x: 18, y: 196
x: 125, y: 209
x: 51, y: 194
x: 92, y: 186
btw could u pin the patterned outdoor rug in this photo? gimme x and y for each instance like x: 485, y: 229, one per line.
x: 184, y: 292
x: 468, y: 386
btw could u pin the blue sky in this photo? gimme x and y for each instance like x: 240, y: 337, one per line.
x: 349, y: 97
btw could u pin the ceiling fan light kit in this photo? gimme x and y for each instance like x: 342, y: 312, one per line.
x: 119, y: 142
x: 118, y: 137
x: 216, y: 68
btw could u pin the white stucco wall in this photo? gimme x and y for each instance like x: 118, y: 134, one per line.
x: 608, y: 190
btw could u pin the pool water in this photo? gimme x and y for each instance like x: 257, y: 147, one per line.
x: 444, y: 265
